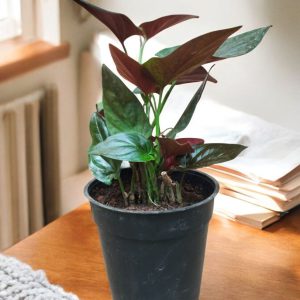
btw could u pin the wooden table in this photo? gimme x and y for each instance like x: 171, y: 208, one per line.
x: 241, y: 263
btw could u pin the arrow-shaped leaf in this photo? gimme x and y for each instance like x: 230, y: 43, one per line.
x: 132, y: 147
x: 98, y: 129
x: 172, y: 148
x: 188, y: 113
x: 118, y: 23
x: 152, y: 28
x: 235, y: 46
x: 241, y: 44
x: 166, y: 51
x: 133, y: 71
x: 210, y: 154
x: 199, y: 74
x: 187, y: 57
x: 104, y: 169
x: 123, y: 111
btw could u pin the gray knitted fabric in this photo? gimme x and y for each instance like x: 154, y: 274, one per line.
x: 19, y: 282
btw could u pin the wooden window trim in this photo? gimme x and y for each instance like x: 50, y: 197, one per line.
x: 18, y: 57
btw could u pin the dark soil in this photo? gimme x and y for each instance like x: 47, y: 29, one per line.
x: 112, y: 196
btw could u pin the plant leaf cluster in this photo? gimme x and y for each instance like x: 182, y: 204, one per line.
x: 128, y: 126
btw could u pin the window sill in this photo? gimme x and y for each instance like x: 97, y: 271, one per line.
x: 18, y: 57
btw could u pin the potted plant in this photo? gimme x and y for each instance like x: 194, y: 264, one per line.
x: 153, y: 216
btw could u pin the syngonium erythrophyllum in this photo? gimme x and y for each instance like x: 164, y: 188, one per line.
x: 123, y: 27
x: 128, y: 126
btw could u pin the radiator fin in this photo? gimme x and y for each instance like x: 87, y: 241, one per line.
x: 21, y: 201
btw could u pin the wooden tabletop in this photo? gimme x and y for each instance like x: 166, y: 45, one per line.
x: 241, y: 263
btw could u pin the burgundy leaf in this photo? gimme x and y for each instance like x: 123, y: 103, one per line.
x: 152, y: 28
x: 191, y: 141
x: 133, y: 71
x: 172, y: 148
x: 198, y: 74
x: 169, y: 162
x: 214, y: 59
x: 118, y: 23
x: 187, y: 57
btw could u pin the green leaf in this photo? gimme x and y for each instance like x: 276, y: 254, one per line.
x: 187, y: 115
x: 210, y: 154
x: 123, y: 111
x: 235, y: 46
x: 99, y: 105
x: 241, y: 44
x: 98, y: 129
x: 104, y: 169
x: 131, y: 147
x: 166, y: 51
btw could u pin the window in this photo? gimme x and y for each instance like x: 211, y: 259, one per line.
x: 10, y: 19
x: 30, y: 19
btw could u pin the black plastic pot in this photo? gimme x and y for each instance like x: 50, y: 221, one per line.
x: 155, y: 255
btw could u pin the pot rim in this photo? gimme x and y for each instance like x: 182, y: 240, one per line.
x: 156, y: 212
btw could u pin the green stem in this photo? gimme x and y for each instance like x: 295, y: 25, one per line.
x: 148, y: 110
x: 133, y: 178
x: 164, y: 101
x: 157, y: 115
x: 154, y: 183
x: 123, y: 190
x: 142, y: 47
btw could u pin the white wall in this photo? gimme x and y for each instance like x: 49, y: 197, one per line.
x: 264, y: 82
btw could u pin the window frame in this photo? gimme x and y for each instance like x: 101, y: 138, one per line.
x: 37, y: 20
x: 11, y: 19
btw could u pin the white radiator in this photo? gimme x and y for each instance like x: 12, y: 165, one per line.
x: 22, y: 153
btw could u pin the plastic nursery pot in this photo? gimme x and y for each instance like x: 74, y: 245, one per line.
x: 155, y: 255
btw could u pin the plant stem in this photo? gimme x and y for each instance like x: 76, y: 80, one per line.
x: 124, y: 48
x: 157, y: 115
x: 133, y: 178
x: 153, y: 178
x: 142, y: 46
x: 181, y: 181
x: 164, y: 101
x: 123, y: 191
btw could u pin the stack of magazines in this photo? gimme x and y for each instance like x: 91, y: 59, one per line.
x: 254, y: 202
x: 263, y: 183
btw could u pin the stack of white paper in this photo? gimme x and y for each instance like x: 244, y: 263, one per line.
x: 264, y: 181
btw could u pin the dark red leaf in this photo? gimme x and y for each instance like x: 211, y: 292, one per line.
x: 187, y: 57
x: 172, y: 148
x: 191, y: 141
x: 152, y: 28
x: 198, y: 74
x: 118, y: 23
x: 169, y: 162
x: 133, y: 71
x: 214, y: 59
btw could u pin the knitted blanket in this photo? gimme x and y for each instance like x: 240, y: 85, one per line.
x: 19, y: 282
